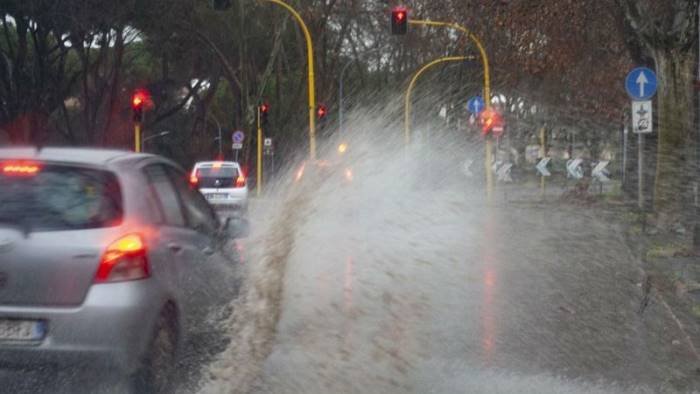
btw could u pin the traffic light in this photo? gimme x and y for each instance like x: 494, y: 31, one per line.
x: 399, y: 20
x: 264, y: 109
x: 321, y: 112
x: 139, y: 101
x: 492, y: 122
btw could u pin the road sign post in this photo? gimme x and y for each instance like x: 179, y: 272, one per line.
x: 641, y: 86
x: 642, y: 117
x: 237, y: 137
x: 625, y: 133
x: 268, y: 158
x: 640, y: 168
x: 475, y: 105
x: 642, y: 123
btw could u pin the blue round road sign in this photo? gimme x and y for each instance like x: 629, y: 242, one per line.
x: 238, y: 137
x: 475, y: 105
x: 641, y: 84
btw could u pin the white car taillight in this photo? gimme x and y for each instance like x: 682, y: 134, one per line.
x: 240, y: 181
x: 125, y: 259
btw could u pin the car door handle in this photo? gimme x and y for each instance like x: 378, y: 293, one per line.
x: 208, y: 251
x: 175, y: 248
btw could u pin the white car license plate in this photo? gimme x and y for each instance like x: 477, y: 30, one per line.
x: 21, y: 330
x: 217, y: 196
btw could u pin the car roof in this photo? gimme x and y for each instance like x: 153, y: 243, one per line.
x: 86, y: 156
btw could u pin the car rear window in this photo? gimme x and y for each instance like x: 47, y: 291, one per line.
x: 48, y: 197
x: 217, y: 177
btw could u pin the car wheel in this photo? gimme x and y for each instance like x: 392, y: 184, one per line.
x: 155, y: 373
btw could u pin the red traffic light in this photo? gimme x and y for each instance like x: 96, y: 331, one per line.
x: 264, y: 108
x: 399, y: 20
x: 321, y: 111
x: 492, y: 121
x: 140, y: 99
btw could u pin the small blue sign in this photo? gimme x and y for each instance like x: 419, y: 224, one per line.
x: 641, y: 84
x: 475, y: 105
x: 238, y: 137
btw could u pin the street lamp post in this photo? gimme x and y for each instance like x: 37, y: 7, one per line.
x: 476, y: 41
x: 154, y: 136
x: 218, y: 125
x: 407, y: 109
x: 311, y: 78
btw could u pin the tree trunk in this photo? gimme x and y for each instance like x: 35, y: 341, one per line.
x: 675, y: 99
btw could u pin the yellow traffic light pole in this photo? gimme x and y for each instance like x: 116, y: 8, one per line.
x: 137, y: 136
x: 487, y: 87
x: 259, y: 177
x: 543, y: 154
x: 311, y: 77
x: 407, y: 110
x: 477, y: 42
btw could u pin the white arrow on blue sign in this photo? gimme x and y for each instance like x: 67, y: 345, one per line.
x: 238, y: 137
x: 641, y: 84
x: 475, y: 105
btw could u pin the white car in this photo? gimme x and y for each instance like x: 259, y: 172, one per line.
x: 223, y: 184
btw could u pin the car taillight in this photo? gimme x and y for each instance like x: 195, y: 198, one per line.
x: 240, y: 181
x: 125, y: 259
x: 20, y: 168
x: 194, y: 180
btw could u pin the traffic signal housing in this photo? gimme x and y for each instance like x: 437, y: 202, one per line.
x: 399, y: 20
x: 139, y: 101
x: 321, y: 112
x: 492, y: 122
x: 264, y: 109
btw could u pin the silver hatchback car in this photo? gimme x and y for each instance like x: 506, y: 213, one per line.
x: 107, y: 260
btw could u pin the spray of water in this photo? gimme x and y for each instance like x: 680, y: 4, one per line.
x: 381, y: 272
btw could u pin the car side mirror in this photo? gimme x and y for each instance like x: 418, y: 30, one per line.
x: 236, y: 227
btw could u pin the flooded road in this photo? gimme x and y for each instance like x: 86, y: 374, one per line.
x: 471, y: 300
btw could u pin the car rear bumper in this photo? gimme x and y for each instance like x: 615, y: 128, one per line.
x: 111, y: 328
x: 238, y: 206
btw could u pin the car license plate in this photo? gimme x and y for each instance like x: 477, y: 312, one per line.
x: 21, y: 330
x: 217, y: 196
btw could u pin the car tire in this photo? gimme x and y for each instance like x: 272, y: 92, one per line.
x: 154, y: 375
